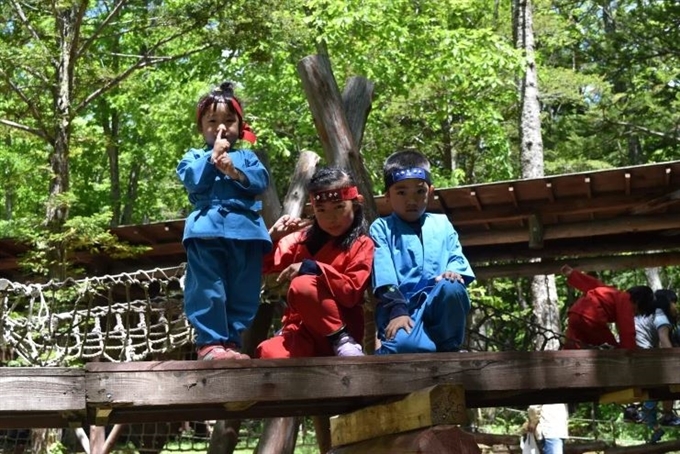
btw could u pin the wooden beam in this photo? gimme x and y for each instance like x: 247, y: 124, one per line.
x: 436, y: 405
x: 291, y: 387
x: 589, y: 229
x: 151, y: 391
x: 560, y: 207
x: 552, y: 266
x: 57, y: 392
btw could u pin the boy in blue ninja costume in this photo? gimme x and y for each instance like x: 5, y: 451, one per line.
x: 225, y: 237
x: 420, y: 274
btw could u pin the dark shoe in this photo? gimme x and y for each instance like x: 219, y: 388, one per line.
x: 670, y: 420
x: 656, y: 435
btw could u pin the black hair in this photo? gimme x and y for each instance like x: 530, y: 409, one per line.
x: 401, y: 160
x: 222, y: 94
x: 643, y: 296
x: 664, y: 298
x: 334, y: 178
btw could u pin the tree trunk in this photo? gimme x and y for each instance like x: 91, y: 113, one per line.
x: 68, y: 22
x: 224, y: 437
x: 543, y: 289
x: 654, y: 278
x: 111, y: 127
x: 279, y: 436
x: 340, y: 122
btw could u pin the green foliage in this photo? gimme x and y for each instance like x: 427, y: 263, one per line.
x: 80, y: 234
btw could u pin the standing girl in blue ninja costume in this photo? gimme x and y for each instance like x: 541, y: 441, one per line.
x: 225, y: 237
x: 419, y: 271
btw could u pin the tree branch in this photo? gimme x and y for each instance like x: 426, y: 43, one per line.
x: 671, y: 136
x: 30, y: 104
x: 27, y: 24
x: 143, y: 62
x: 35, y: 132
x: 114, y: 12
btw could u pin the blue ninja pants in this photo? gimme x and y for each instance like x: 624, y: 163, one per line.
x: 439, y: 322
x: 222, y: 288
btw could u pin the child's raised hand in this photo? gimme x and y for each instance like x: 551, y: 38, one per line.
x: 224, y: 164
x: 287, y: 224
x: 290, y: 272
x: 222, y: 144
x: 397, y: 323
x: 450, y: 276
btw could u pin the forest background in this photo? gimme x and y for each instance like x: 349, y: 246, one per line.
x: 98, y: 99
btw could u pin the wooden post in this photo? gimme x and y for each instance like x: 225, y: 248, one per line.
x: 337, y: 139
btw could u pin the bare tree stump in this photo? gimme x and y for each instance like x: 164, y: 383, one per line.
x: 434, y: 440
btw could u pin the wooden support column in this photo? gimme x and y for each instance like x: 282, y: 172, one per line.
x: 535, y: 232
x: 440, y: 404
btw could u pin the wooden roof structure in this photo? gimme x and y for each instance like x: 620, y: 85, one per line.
x: 608, y: 219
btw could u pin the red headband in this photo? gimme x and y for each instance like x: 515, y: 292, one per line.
x: 334, y: 195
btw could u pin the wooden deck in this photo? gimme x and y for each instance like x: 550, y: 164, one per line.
x: 104, y: 393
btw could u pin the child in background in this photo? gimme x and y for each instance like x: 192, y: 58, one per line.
x: 550, y: 425
x: 328, y: 265
x: 225, y: 237
x: 589, y: 316
x: 420, y: 274
x: 655, y: 331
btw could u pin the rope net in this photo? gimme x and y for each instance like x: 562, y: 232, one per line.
x: 139, y: 315
x: 126, y: 317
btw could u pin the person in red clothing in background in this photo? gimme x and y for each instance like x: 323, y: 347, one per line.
x: 601, y: 304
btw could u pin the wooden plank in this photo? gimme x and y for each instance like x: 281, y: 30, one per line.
x: 42, y: 397
x: 552, y: 266
x: 624, y: 396
x: 584, y: 229
x: 26, y: 389
x: 490, y: 379
x: 436, y: 405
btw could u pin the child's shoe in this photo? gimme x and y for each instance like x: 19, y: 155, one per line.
x: 215, y: 352
x: 656, y: 435
x: 347, y: 346
x: 670, y: 420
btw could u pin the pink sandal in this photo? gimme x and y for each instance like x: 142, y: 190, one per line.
x: 218, y: 352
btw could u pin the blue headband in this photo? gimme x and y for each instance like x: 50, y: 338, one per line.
x: 406, y: 174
